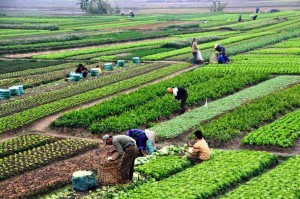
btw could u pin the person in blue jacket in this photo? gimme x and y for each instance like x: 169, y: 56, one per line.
x: 223, y: 59
x: 143, y: 141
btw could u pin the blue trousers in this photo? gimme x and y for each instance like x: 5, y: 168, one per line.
x: 195, y: 58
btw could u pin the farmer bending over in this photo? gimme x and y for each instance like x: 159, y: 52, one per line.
x: 127, y: 150
x: 180, y: 94
x: 145, y: 140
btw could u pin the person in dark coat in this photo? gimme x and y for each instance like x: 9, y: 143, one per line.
x: 82, y: 69
x: 220, y: 49
x: 240, y: 18
x: 180, y: 94
x: 253, y: 17
x: 257, y: 10
x: 127, y: 151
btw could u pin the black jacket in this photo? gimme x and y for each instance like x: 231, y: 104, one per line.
x: 220, y: 49
x: 181, y: 92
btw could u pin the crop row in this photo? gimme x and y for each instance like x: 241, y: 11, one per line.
x: 283, y: 26
x: 252, y: 115
x: 237, y: 47
x: 16, y: 65
x: 112, y: 52
x: 207, y: 179
x: 75, y: 89
x: 23, y: 143
x: 163, y: 166
x: 25, y: 117
x: 250, y: 25
x: 29, y: 27
x: 38, y: 70
x: 192, y: 119
x: 283, y: 132
x: 88, y: 41
x: 101, y: 49
x: 273, y: 68
x: 38, y: 79
x: 269, y: 185
x: 150, y: 96
x: 161, y: 56
x: 160, y: 107
x: 129, y: 55
x: 295, y: 51
x: 291, y: 43
x: 40, y: 39
x: 265, y: 57
x: 36, y: 157
x: 125, y: 102
x: 280, y: 70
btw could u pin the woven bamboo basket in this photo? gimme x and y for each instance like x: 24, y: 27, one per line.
x: 213, y: 58
x: 109, y: 173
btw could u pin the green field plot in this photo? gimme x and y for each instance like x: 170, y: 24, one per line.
x: 22, y: 143
x: 283, y: 132
x: 75, y: 89
x: 164, y: 166
x: 192, y: 119
x: 252, y: 115
x: 250, y: 103
x: 25, y: 117
x: 291, y: 43
x: 43, y: 78
x: 269, y: 185
x: 289, y: 51
x: 100, y: 49
x: 152, y: 102
x: 161, y: 107
x: 37, y: 157
x: 208, y: 178
x: 17, y: 66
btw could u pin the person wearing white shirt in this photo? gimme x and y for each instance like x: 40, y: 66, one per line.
x: 180, y: 94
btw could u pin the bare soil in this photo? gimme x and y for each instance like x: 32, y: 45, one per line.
x: 52, y: 176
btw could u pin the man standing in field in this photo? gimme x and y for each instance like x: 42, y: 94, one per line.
x: 200, y: 151
x: 180, y: 94
x: 127, y: 150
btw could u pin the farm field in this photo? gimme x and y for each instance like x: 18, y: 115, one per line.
x: 248, y: 110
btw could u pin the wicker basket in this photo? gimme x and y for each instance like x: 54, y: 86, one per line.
x: 109, y: 173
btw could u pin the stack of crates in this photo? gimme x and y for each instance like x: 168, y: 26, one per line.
x: 95, y: 72
x: 5, y: 93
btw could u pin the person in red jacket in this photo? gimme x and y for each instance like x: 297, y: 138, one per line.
x: 180, y: 94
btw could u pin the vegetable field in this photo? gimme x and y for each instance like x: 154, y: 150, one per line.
x: 248, y: 110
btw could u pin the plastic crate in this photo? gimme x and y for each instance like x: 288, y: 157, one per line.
x: 136, y: 60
